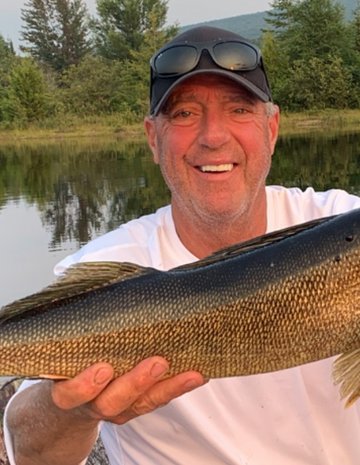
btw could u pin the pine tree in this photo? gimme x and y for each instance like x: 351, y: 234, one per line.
x: 312, y: 49
x: 280, y: 15
x: 309, y: 28
x: 27, y: 99
x: 8, y: 60
x: 73, y: 37
x: 134, y: 78
x: 317, y: 30
x: 356, y: 27
x: 6, y: 49
x: 122, y: 24
x: 56, y: 31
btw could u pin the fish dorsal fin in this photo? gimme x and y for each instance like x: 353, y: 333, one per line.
x: 77, y: 279
x: 256, y: 243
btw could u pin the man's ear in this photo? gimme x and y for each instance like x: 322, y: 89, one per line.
x: 150, y: 131
x: 274, y: 121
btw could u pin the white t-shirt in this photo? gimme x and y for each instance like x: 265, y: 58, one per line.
x: 290, y: 417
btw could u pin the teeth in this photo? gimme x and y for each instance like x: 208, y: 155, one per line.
x: 216, y: 168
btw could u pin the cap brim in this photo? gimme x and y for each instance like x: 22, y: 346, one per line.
x: 219, y: 72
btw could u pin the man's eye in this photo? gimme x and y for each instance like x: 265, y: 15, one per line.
x: 181, y: 114
x: 241, y: 111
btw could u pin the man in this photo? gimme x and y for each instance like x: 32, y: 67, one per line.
x: 212, y: 129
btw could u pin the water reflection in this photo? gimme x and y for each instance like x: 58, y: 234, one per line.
x: 57, y: 196
x: 82, y: 189
x: 319, y: 160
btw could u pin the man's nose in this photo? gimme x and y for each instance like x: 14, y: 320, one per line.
x: 214, y: 131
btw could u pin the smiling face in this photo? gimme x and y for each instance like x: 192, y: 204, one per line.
x: 214, y: 142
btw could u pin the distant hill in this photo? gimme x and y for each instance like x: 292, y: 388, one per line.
x: 250, y: 25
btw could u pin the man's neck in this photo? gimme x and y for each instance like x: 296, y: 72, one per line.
x: 202, y: 238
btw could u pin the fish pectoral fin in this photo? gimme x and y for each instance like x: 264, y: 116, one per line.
x: 77, y: 279
x: 346, y: 373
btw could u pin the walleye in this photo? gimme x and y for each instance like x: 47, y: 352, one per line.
x: 285, y: 299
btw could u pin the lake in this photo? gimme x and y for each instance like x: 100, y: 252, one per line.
x: 57, y: 195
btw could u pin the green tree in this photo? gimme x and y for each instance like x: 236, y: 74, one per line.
x: 56, y: 31
x: 92, y: 87
x: 312, y: 40
x: 7, y: 61
x: 6, y: 50
x: 316, y: 30
x: 280, y: 15
x: 122, y: 23
x: 354, y: 52
x: 300, y: 24
x: 356, y: 27
x: 318, y: 84
x: 27, y: 98
x: 310, y: 28
x: 277, y: 65
x: 134, y: 78
x: 102, y: 86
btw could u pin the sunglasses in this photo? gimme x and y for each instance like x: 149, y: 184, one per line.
x: 231, y: 55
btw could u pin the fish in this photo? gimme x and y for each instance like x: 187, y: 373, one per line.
x: 281, y: 300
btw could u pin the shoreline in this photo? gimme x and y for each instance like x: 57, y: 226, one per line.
x: 319, y: 121
x: 111, y: 127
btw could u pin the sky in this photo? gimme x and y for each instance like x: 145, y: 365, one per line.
x: 182, y: 11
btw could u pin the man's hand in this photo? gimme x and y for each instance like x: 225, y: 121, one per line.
x: 56, y: 422
x: 95, y: 394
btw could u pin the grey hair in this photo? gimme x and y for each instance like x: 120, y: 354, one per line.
x: 271, y: 108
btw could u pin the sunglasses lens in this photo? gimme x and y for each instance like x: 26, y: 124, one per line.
x: 176, y: 60
x: 236, y: 56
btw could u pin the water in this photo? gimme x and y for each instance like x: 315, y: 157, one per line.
x: 56, y: 196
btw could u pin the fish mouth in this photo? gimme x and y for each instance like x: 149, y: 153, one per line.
x: 220, y: 168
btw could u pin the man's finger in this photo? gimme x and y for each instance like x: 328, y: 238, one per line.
x: 90, y: 384
x: 126, y: 389
x: 83, y: 388
x: 161, y: 393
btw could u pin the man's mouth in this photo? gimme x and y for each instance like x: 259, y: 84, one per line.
x: 224, y: 168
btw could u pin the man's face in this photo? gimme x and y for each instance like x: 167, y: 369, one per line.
x: 214, y: 144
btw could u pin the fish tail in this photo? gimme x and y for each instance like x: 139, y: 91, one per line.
x: 346, y: 373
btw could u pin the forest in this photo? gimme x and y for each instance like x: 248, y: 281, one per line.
x: 72, y: 65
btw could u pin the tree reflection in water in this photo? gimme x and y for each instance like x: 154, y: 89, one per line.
x: 82, y: 189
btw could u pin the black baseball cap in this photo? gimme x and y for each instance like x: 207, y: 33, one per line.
x: 236, y: 58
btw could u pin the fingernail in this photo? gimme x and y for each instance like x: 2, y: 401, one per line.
x: 102, y: 376
x: 158, y: 370
x: 191, y: 384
